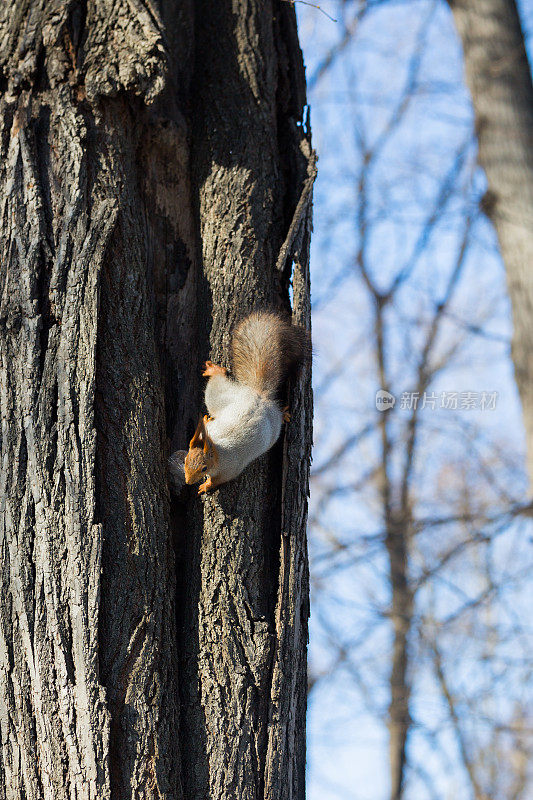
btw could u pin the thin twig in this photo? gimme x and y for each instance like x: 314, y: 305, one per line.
x: 313, y: 5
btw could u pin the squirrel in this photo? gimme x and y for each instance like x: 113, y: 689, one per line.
x: 245, y: 416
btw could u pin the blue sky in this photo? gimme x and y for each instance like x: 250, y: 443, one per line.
x: 431, y: 148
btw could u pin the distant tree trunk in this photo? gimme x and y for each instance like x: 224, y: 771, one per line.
x: 153, y: 164
x: 499, y: 77
x: 397, y: 539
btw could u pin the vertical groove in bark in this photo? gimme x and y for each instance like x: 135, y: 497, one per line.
x: 499, y: 77
x: 242, y: 676
x: 137, y: 655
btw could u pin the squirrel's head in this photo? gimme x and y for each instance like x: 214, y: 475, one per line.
x: 196, y: 465
x: 201, y: 456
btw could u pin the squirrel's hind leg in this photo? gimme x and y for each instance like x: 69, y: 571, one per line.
x: 213, y: 369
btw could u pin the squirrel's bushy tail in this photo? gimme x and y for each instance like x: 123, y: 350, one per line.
x: 264, y: 347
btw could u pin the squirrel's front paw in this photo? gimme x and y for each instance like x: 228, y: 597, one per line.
x: 286, y: 414
x: 205, y: 486
x: 213, y: 369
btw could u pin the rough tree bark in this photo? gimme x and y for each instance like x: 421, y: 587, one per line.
x: 155, y: 184
x: 499, y: 77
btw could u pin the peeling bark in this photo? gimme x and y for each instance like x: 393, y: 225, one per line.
x: 149, y: 196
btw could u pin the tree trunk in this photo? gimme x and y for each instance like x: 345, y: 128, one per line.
x: 499, y: 77
x: 402, y: 620
x: 153, y: 164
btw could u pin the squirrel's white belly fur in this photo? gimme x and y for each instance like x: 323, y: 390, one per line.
x: 242, y: 429
x: 245, y: 417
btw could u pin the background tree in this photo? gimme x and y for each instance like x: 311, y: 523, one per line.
x: 155, y: 184
x: 419, y: 665
x: 498, y: 75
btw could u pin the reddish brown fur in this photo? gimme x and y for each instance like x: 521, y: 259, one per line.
x: 202, y: 455
x: 264, y: 347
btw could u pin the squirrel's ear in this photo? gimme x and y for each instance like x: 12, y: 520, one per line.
x: 199, y: 435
